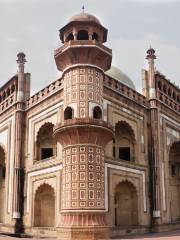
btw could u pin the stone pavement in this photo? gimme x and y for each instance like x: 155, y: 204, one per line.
x: 174, y: 235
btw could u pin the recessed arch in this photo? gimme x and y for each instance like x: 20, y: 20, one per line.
x: 44, y: 206
x: 159, y: 85
x: 70, y: 37
x: 45, y: 143
x: 83, y: 35
x: 174, y: 96
x: 125, y: 143
x: 3, y: 95
x: 165, y: 88
x: 169, y: 92
x: 2, y: 182
x: 97, y: 112
x: 174, y: 181
x: 13, y: 88
x: 8, y: 92
x: 68, y: 113
x: 126, y: 204
x: 95, y: 36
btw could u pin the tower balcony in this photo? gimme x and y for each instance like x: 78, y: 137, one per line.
x: 89, y: 52
x: 84, y: 130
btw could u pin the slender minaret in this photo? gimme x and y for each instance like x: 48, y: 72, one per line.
x: 154, y: 141
x: 83, y: 134
x: 18, y: 170
x: 148, y: 80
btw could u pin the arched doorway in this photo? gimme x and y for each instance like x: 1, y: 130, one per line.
x: 174, y: 181
x: 126, y: 204
x: 2, y: 183
x: 44, y: 207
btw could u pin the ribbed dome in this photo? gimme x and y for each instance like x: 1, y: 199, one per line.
x: 117, y: 74
x: 84, y: 17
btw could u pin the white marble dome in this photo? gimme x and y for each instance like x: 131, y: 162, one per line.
x: 117, y: 74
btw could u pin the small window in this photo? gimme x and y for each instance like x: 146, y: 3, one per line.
x: 173, y: 170
x: 114, y: 148
x: 114, y: 151
x: 68, y: 113
x: 70, y: 37
x: 8, y: 92
x: 12, y: 88
x: 4, y: 95
x: 95, y: 36
x: 82, y: 35
x: 97, y: 113
x: 124, y: 153
x: 3, y: 172
x: 46, y: 153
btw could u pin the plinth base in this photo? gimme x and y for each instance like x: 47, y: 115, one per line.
x: 82, y: 233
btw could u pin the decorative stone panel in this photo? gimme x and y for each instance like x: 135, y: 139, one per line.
x: 83, y: 85
x: 83, y: 177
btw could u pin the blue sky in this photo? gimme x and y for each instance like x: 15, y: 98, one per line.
x: 133, y: 25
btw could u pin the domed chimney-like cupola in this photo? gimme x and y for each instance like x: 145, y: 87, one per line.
x: 83, y: 37
x: 81, y: 23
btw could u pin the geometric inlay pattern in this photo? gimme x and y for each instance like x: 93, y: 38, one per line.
x: 81, y: 86
x: 83, y: 177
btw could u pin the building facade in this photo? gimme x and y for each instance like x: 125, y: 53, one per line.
x: 88, y: 156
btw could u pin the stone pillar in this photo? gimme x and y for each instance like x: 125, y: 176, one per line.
x: 18, y: 168
x: 154, y: 116
x: 151, y: 73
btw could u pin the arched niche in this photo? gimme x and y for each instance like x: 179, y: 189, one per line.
x: 44, y: 206
x: 97, y: 112
x: 2, y: 182
x: 82, y: 35
x: 70, y: 37
x: 68, y: 113
x: 95, y: 36
x: 45, y: 143
x: 126, y: 204
x: 124, y: 142
x: 174, y: 181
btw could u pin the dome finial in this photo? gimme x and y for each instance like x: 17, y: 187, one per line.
x: 150, y: 53
x: 83, y: 8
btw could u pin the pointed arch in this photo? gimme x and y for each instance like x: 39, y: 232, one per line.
x: 45, y: 142
x: 83, y: 35
x: 125, y: 142
x: 97, y: 112
x: 174, y: 180
x: 2, y: 181
x: 126, y: 204
x: 68, y: 113
x: 44, y: 206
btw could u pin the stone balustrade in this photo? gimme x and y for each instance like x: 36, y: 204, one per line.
x: 170, y: 102
x: 125, y: 90
x: 8, y: 102
x: 83, y: 121
x: 44, y: 93
x: 82, y: 43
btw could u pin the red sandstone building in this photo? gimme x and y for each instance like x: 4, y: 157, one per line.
x: 89, y: 157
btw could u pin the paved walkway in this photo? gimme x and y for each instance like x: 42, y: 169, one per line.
x: 175, y: 235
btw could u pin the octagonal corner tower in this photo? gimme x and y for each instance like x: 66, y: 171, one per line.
x: 83, y: 133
